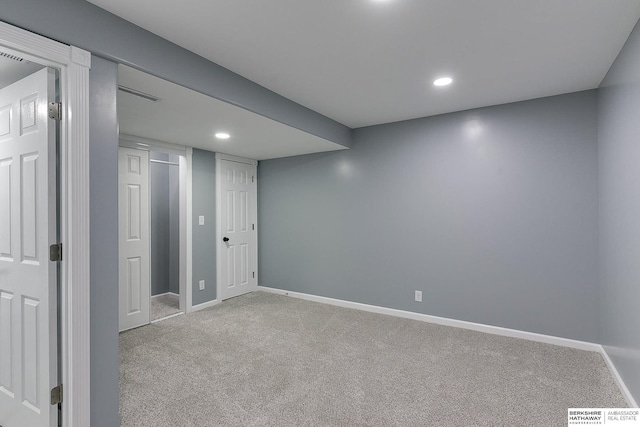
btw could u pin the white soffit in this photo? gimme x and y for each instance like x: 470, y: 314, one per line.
x: 364, y: 62
x: 15, y: 68
x: 185, y: 117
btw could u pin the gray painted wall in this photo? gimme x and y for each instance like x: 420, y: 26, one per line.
x: 84, y: 25
x: 619, y: 155
x: 204, y: 236
x: 492, y: 213
x: 103, y: 152
x: 164, y: 203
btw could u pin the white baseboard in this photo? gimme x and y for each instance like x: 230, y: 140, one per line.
x: 204, y: 305
x: 623, y: 387
x: 495, y: 330
x: 166, y: 293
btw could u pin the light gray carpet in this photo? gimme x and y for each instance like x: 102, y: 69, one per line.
x: 263, y: 359
x: 164, y: 305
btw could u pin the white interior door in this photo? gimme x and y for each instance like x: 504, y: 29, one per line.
x: 133, y: 224
x: 237, y: 246
x: 28, y: 280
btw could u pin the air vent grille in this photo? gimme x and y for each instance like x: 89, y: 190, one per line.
x: 146, y: 96
x: 9, y: 56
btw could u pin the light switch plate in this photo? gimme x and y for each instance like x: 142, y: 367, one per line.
x: 201, y: 285
x: 419, y: 296
x: 201, y: 220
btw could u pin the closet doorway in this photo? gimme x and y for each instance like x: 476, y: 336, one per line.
x: 164, y: 201
x: 152, y: 229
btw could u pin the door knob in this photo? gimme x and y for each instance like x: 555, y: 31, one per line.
x: 225, y: 239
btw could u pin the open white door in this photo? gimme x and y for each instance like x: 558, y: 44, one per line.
x: 134, y: 255
x: 28, y: 280
x: 237, y: 207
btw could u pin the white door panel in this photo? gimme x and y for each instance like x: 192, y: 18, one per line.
x: 134, y: 257
x: 28, y: 280
x: 238, y: 213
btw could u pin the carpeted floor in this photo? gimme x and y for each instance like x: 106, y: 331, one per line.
x: 263, y: 359
x: 164, y: 305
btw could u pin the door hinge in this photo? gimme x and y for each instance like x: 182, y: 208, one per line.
x: 253, y: 226
x: 55, y: 110
x: 55, y: 252
x: 56, y: 395
x: 252, y: 178
x: 254, y: 274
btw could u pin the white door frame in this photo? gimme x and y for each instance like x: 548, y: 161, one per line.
x: 74, y: 64
x: 219, y: 177
x: 186, y: 162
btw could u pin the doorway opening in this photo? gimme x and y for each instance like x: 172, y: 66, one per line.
x: 164, y: 202
x: 39, y: 84
x: 152, y: 231
x: 30, y: 346
x: 236, y: 219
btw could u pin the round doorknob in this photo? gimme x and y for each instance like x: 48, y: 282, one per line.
x: 225, y: 239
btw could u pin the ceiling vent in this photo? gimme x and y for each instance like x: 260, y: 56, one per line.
x: 9, y: 56
x: 138, y: 93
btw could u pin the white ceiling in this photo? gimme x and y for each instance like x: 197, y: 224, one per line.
x: 12, y: 70
x: 185, y: 117
x: 364, y: 62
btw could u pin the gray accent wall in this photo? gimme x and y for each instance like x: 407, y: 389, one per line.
x: 619, y: 166
x: 491, y: 213
x: 204, y: 236
x: 82, y: 24
x: 165, y: 224
x: 103, y: 157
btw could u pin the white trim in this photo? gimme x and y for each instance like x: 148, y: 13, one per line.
x: 74, y: 67
x: 222, y: 156
x: 164, y: 162
x: 218, y: 228
x: 166, y: 293
x: 182, y: 232
x: 254, y: 214
x: 204, y: 305
x: 495, y: 330
x: 138, y: 142
x: 166, y: 317
x: 189, y: 234
x: 616, y: 375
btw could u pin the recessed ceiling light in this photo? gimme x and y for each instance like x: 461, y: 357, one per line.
x: 443, y: 81
x: 222, y: 135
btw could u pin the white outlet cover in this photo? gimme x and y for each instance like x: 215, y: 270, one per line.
x: 419, y: 296
x: 201, y: 220
x: 201, y: 285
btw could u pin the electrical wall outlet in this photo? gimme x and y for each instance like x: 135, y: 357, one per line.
x: 419, y: 296
x: 201, y: 220
x: 201, y: 285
